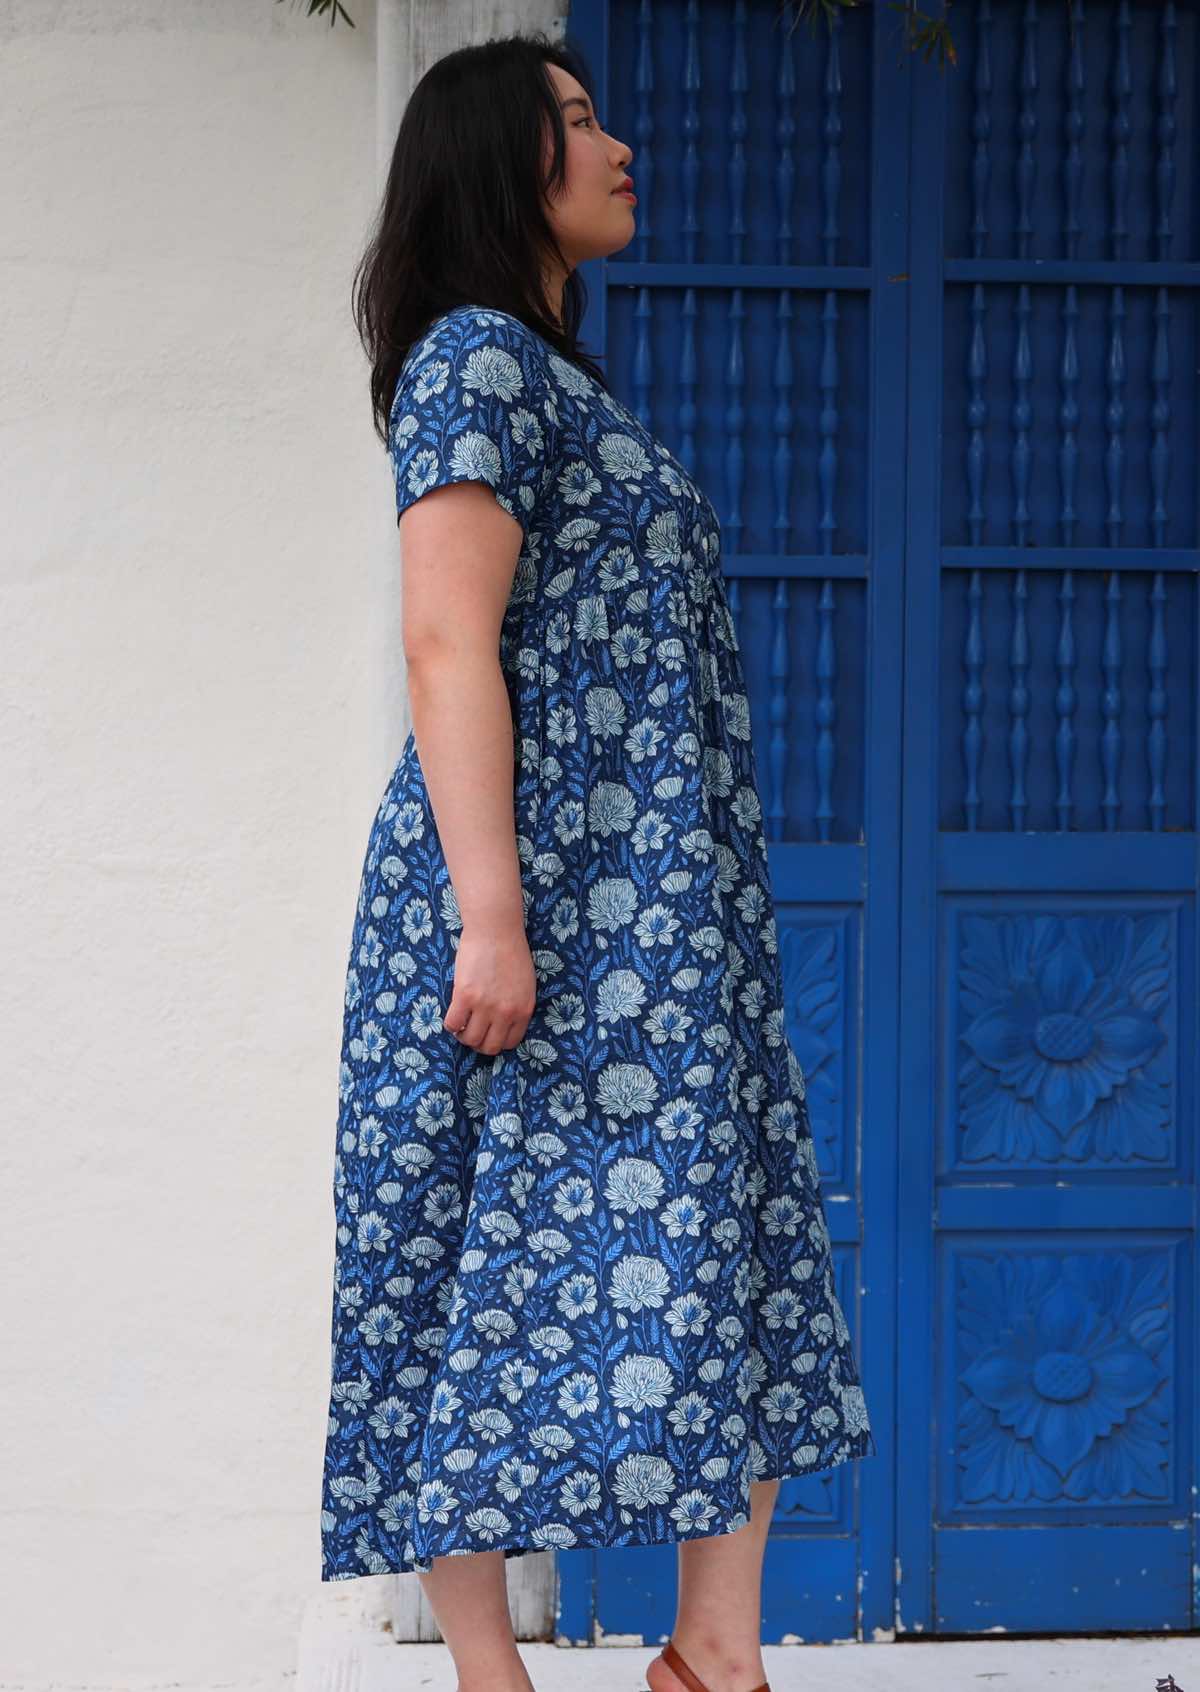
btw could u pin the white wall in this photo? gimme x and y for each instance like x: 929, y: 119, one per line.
x: 203, y: 697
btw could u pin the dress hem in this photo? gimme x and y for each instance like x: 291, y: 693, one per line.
x: 862, y: 1445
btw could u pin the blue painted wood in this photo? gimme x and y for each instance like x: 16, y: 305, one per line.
x: 1051, y: 586
x: 931, y: 342
x: 1069, y: 1585
x: 758, y: 322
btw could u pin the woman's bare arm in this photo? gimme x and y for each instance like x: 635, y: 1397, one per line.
x: 458, y: 552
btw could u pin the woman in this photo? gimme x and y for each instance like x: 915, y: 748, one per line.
x: 583, y: 1286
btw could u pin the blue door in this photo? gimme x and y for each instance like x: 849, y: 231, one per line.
x: 929, y: 341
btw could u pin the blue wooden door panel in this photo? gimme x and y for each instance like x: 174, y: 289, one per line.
x: 758, y: 323
x: 1048, y: 959
x: 931, y: 343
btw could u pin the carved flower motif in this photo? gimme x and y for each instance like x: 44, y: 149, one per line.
x: 1062, y: 1355
x: 1060, y: 1021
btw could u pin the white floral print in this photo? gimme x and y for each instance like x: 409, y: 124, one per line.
x: 583, y: 1290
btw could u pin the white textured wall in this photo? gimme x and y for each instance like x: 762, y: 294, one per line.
x: 203, y: 695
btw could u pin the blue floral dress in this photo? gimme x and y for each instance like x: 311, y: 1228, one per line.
x: 583, y: 1289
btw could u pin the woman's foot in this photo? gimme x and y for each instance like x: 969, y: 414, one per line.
x: 715, y: 1671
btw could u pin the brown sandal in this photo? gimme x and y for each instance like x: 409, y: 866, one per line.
x: 690, y: 1679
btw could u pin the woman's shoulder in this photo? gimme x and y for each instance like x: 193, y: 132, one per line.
x: 466, y: 328
x: 469, y: 338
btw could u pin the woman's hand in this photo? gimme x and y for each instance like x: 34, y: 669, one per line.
x: 495, y: 987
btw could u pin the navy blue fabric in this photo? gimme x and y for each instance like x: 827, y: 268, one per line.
x: 583, y: 1289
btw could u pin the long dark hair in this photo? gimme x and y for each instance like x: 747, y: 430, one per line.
x: 463, y: 220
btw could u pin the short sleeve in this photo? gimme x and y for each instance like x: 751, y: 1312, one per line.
x: 474, y: 403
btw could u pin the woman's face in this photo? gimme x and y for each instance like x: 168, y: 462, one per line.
x: 590, y: 220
